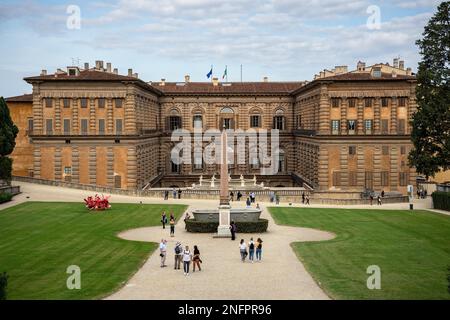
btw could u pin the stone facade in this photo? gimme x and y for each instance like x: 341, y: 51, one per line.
x: 345, y: 131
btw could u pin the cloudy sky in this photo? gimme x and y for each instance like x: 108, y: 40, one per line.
x: 282, y: 39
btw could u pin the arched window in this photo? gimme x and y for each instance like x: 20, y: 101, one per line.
x: 173, y: 120
x: 226, y: 118
x: 279, y: 120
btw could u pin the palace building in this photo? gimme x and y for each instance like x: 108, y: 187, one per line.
x: 343, y: 131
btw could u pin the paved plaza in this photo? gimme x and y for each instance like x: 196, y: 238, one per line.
x: 280, y: 275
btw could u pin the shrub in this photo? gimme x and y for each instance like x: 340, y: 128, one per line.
x: 5, y: 197
x: 441, y: 200
x: 5, y: 169
x: 3, y: 285
x: 242, y: 227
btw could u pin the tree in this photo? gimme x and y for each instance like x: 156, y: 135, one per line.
x: 431, y: 123
x: 8, y: 134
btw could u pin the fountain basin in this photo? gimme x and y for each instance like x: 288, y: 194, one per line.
x: 236, y: 215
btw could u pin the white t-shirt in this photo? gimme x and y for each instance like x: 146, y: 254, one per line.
x: 162, y: 247
x: 242, y: 246
x: 187, y: 255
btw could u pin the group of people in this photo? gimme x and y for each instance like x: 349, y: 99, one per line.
x: 175, y: 193
x: 379, y: 198
x: 253, y: 247
x: 305, y: 198
x: 171, y: 222
x: 185, y: 256
x: 422, y: 193
x: 251, y: 196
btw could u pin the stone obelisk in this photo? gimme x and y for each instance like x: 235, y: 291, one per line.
x: 223, y: 230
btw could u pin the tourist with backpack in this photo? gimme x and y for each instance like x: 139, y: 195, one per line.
x: 243, y: 250
x: 251, y: 250
x: 178, y: 255
x: 258, y: 249
x: 196, y: 259
x: 187, y: 257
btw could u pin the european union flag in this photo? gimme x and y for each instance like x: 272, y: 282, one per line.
x: 209, y: 74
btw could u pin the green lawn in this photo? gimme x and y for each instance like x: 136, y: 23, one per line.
x: 39, y: 240
x: 412, y: 248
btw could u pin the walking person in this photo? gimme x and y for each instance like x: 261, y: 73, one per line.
x: 243, y: 250
x: 251, y: 250
x: 277, y: 199
x: 371, y: 199
x: 231, y: 196
x: 382, y: 193
x: 196, y: 259
x: 166, y: 195
x: 178, y: 255
x: 172, y: 226
x: 248, y: 203
x: 303, y: 198
x: 179, y: 193
x: 379, y: 200
x: 164, y: 219
x: 258, y: 249
x: 239, y: 196
x: 163, y: 252
x: 307, y: 199
x: 233, y: 230
x: 174, y: 193
x: 187, y: 257
x: 186, y: 218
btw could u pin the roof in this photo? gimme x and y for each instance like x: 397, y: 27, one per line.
x: 365, y: 76
x: 91, y: 75
x: 229, y: 87
x: 22, y: 98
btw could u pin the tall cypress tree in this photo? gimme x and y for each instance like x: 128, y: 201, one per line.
x: 431, y: 123
x: 8, y: 134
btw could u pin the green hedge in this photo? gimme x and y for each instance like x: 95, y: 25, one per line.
x: 3, y: 285
x: 441, y: 200
x: 242, y: 227
x: 5, y: 197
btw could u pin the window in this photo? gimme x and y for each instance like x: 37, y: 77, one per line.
x: 30, y: 125
x: 48, y: 102
x: 175, y: 168
x: 226, y: 123
x: 117, y: 181
x: 299, y: 121
x: 384, y: 102
x: 254, y: 163
x: 66, y: 126
x: 174, y: 122
x: 67, y: 170
x: 118, y: 102
x: 352, y: 150
x: 368, y: 180
x: 401, y: 126
x: 255, y: 121
x: 83, y: 102
x: 335, y: 102
x: 336, y: 178
x: 402, y: 102
x: 352, y: 102
x: 84, y: 126
x: 101, y: 126
x: 385, y: 150
x: 281, y: 162
x: 351, y: 125
x: 49, y: 126
x: 384, y: 126
x: 66, y: 103
x: 384, y: 178
x: 335, y: 126
x: 119, y: 126
x: 368, y: 102
x: 368, y: 126
x: 376, y: 72
x: 278, y: 122
x: 197, y: 121
x: 402, y: 150
x: 403, y: 177
x: 352, y: 178
x: 101, y: 102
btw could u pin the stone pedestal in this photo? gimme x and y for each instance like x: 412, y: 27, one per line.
x: 223, y: 230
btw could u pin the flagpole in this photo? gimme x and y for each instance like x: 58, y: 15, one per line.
x: 241, y: 73
x: 226, y: 75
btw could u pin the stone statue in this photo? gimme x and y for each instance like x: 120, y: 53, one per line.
x: 201, y: 180
x: 254, y: 180
x: 213, y: 179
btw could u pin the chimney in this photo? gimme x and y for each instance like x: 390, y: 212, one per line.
x: 340, y: 69
x: 395, y: 63
x: 361, y: 66
x: 115, y: 71
x: 215, y: 82
x: 86, y: 66
x: 43, y: 72
x: 266, y: 79
x: 408, y: 71
x: 187, y: 78
x: 163, y: 82
x: 108, y: 67
x: 101, y: 65
x: 130, y: 72
x: 97, y: 64
x: 401, y: 64
x: 135, y: 75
